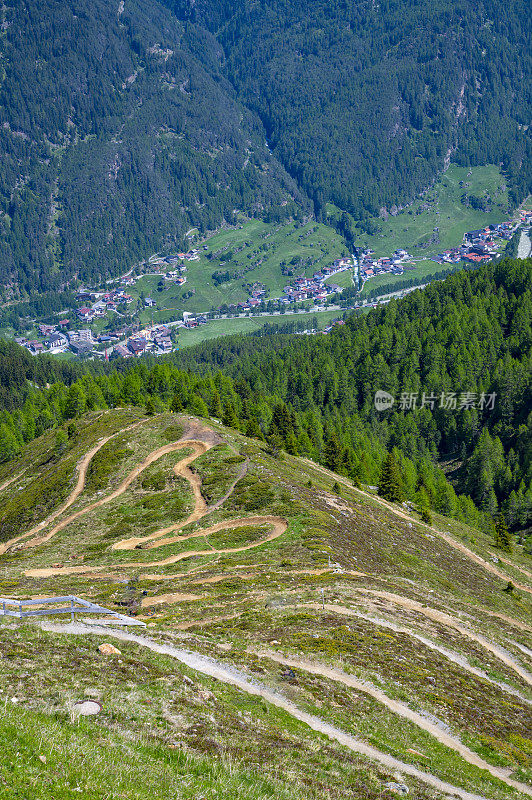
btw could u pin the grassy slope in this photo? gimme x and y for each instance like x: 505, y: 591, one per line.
x: 283, y: 243
x: 225, y: 327
x: 262, y: 598
x: 443, y: 210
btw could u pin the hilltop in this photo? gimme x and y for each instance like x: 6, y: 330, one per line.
x: 304, y: 637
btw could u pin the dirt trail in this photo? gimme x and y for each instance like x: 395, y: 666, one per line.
x: 199, y: 447
x: 522, y: 626
x: 399, y: 708
x: 75, y: 493
x: 181, y: 468
x: 278, y: 523
x: 159, y: 538
x: 206, y: 438
x: 11, y: 480
x: 451, y: 622
x: 229, y: 675
x: 445, y: 536
x: 451, y: 655
x: 174, y: 597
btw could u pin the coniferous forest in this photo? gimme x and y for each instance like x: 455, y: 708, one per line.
x: 121, y: 127
x: 469, y: 336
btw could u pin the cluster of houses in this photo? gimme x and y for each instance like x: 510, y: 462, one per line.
x: 369, y: 266
x: 299, y: 289
x: 102, y: 302
x: 156, y: 341
x: 56, y: 339
x: 478, y: 246
x: 174, y: 262
x: 315, y: 288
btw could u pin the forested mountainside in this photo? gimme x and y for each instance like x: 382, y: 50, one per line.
x: 118, y: 132
x: 365, y: 102
x: 471, y: 333
x: 123, y: 125
x: 314, y: 397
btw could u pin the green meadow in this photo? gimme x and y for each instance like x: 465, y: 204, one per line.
x: 255, y: 246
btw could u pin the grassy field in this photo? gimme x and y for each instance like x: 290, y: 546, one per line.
x: 225, y: 327
x: 442, y: 208
x: 439, y: 212
x: 255, y: 244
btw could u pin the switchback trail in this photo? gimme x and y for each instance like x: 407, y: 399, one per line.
x: 82, y: 467
x: 451, y: 655
x: 451, y: 622
x: 279, y: 526
x: 161, y: 537
x: 399, y: 708
x: 233, y: 677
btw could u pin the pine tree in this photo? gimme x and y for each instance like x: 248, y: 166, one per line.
x: 390, y: 481
x: 332, y: 453
x: 150, y: 407
x: 229, y: 417
x: 423, y: 506
x: 9, y: 446
x: 177, y: 404
x: 502, y: 537
x: 216, y: 409
x: 61, y: 442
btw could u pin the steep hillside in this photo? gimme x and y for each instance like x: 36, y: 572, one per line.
x: 117, y: 133
x: 365, y: 102
x: 304, y: 638
x: 440, y: 353
x: 123, y: 125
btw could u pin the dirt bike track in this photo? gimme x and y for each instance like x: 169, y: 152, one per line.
x: 160, y: 538
x: 452, y: 542
x: 397, y: 707
x: 450, y: 622
x: 230, y: 675
x: 83, y: 467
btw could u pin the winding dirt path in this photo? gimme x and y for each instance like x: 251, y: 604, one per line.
x: 82, y: 468
x: 159, y: 538
x: 233, y: 677
x: 278, y: 524
x: 399, y: 708
x: 7, y: 483
x: 199, y: 449
x: 451, y: 655
x: 182, y: 468
x: 451, y: 622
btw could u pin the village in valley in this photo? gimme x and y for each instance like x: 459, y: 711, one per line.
x: 87, y: 332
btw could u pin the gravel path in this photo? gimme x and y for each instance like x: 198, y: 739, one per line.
x: 451, y: 622
x: 228, y: 675
x: 456, y: 658
x: 436, y: 730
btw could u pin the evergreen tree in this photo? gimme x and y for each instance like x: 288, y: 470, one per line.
x: 9, y: 447
x: 390, y: 484
x: 76, y: 402
x: 176, y: 404
x: 61, y: 441
x: 150, y: 407
x: 502, y: 537
x: 423, y: 506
